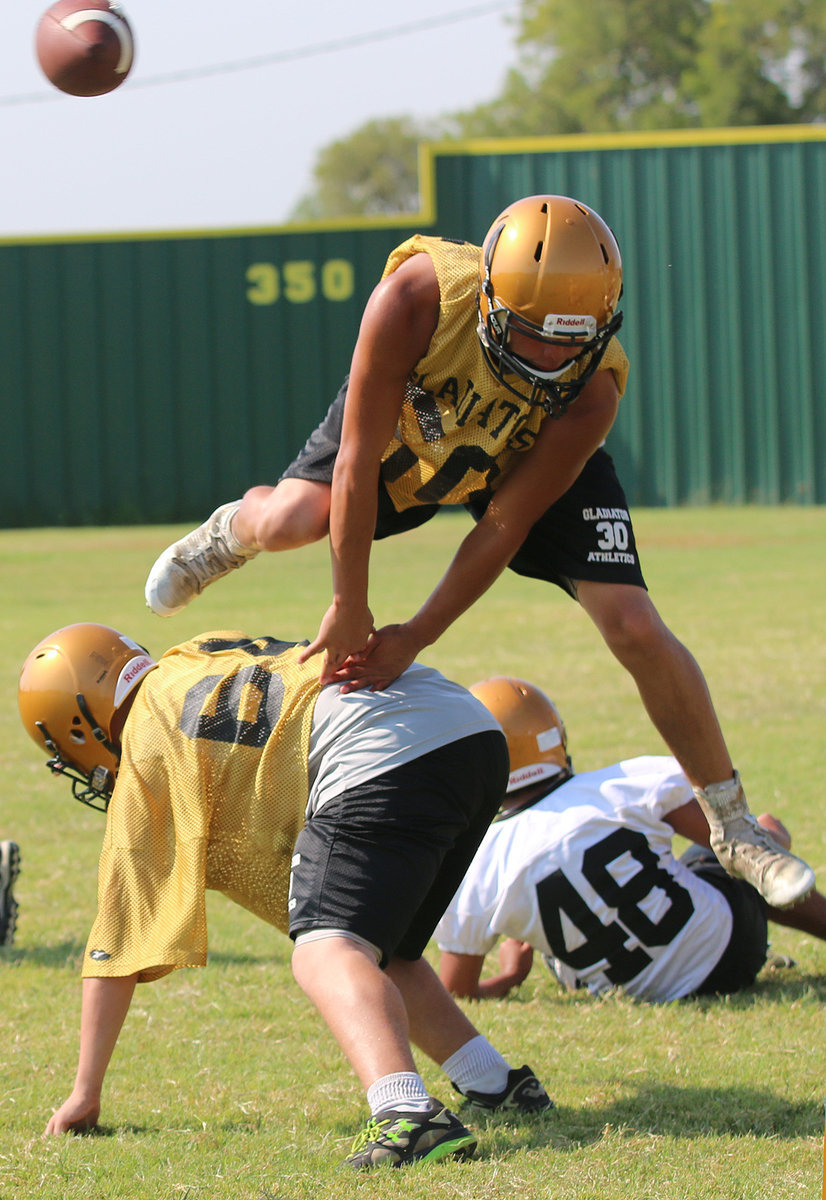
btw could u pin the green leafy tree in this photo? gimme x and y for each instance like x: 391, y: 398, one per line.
x: 372, y: 172
x: 604, y: 65
x: 760, y: 62
x: 595, y: 65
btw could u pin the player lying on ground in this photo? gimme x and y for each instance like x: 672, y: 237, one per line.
x: 490, y: 377
x: 580, y: 868
x: 348, y: 819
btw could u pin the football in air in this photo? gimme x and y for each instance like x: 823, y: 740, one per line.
x: 85, y: 47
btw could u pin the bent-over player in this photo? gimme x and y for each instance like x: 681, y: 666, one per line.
x: 347, y: 819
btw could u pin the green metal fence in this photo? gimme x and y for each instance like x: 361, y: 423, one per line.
x: 146, y: 378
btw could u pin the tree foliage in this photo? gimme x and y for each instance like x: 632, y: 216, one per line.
x: 760, y: 62
x: 371, y: 172
x: 605, y: 65
x: 601, y: 66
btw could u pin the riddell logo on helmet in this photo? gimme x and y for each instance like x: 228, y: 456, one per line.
x: 138, y: 669
x: 576, y: 324
x: 131, y: 673
x: 531, y: 774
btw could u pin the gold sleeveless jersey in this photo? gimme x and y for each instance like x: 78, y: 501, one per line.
x: 460, y: 429
x: 210, y: 793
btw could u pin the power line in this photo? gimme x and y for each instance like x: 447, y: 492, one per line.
x: 285, y: 56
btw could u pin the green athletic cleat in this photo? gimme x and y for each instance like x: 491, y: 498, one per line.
x: 397, y: 1137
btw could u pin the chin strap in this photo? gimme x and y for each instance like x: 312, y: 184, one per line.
x: 97, y: 732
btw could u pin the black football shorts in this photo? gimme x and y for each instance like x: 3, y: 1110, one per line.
x: 748, y: 944
x: 383, y: 859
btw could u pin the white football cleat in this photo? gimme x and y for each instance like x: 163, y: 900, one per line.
x: 184, y: 569
x: 749, y: 852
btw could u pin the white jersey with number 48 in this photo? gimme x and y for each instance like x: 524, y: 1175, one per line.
x: 587, y: 876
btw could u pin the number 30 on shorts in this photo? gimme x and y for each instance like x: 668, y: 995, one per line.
x: 613, y: 535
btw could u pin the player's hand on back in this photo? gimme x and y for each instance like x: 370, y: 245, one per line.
x: 389, y: 652
x: 343, y: 632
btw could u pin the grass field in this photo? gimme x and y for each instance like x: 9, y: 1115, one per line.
x: 226, y: 1086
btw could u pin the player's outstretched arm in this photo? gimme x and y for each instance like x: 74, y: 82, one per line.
x: 104, y: 1006
x: 543, y: 474
x: 396, y: 329
x: 809, y: 916
x: 689, y: 820
x: 461, y: 973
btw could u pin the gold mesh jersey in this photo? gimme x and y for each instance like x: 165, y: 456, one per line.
x: 460, y: 430
x: 210, y: 793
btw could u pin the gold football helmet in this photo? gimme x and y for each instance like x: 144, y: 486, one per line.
x: 550, y: 269
x: 71, y: 692
x: 533, y: 728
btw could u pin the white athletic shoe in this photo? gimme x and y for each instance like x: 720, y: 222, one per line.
x: 749, y: 852
x: 197, y: 560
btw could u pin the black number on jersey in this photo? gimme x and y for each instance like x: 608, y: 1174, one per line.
x: 557, y: 894
x: 257, y: 647
x: 461, y: 461
x: 223, y: 722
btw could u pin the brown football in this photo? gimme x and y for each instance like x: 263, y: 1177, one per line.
x: 85, y: 47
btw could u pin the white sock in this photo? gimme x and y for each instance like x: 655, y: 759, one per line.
x: 477, y: 1067
x: 401, y: 1090
x: 234, y: 544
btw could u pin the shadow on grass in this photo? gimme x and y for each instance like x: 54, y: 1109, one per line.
x: 655, y: 1109
x: 784, y: 986
x: 60, y: 954
x: 221, y: 958
x: 650, y: 1109
x: 673, y: 1111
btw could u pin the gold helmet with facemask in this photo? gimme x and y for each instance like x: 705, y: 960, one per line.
x: 72, y: 694
x: 550, y: 270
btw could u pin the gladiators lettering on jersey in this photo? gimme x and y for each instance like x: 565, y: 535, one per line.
x: 611, y: 526
x: 459, y: 432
